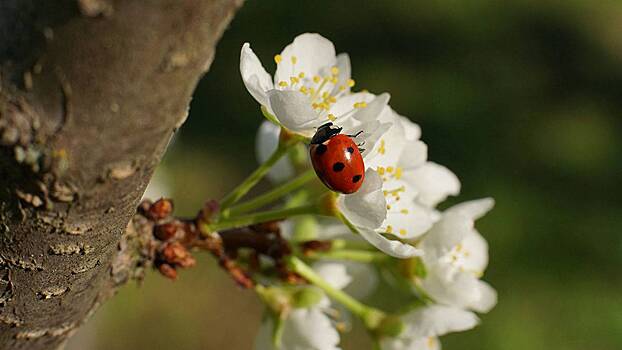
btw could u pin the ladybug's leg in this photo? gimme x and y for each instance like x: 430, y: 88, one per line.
x: 361, y: 150
x: 355, y: 135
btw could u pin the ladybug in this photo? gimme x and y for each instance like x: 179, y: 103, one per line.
x: 336, y: 159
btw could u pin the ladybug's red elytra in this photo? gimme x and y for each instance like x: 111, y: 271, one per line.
x: 336, y: 159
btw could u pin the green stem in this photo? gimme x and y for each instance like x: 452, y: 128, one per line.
x: 274, y: 194
x: 372, y: 317
x: 351, y: 244
x: 254, y: 178
x: 362, y: 256
x: 260, y: 217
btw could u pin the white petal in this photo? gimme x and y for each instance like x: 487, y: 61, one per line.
x: 408, y: 220
x: 372, y: 132
x: 257, y: 81
x: 293, y: 110
x: 265, y: 144
x: 473, y: 209
x: 334, y: 273
x: 388, y: 149
x: 446, y: 234
x: 308, y: 329
x: 460, y: 289
x: 414, y: 154
x: 477, y: 248
x: 413, y: 131
x: 366, y: 207
x: 315, y: 55
x: 343, y: 109
x: 364, y: 279
x: 434, y: 183
x: 345, y: 72
x: 373, y: 109
x: 430, y: 343
x: 393, y: 248
x: 487, y: 299
x: 437, y: 320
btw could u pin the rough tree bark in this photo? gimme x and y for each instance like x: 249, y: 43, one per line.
x: 91, y: 92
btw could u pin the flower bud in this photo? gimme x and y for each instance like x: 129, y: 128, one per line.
x: 390, y: 326
x: 168, y: 271
x: 161, y: 209
x: 165, y: 231
x: 306, y: 297
x: 176, y: 253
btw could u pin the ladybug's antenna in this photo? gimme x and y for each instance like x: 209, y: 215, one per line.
x: 355, y: 135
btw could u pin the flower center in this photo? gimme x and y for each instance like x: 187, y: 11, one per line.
x: 323, y: 91
x: 458, y: 257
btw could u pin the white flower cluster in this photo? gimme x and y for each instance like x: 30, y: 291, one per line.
x: 395, y: 209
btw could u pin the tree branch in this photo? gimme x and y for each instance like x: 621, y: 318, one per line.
x: 91, y: 92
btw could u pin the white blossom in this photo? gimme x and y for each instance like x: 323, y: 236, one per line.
x: 311, y: 87
x: 309, y: 328
x: 456, y: 256
x: 400, y: 190
x: 266, y: 143
x: 423, y: 326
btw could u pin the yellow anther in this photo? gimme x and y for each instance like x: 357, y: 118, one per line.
x: 334, y: 80
x: 351, y: 82
x: 389, y: 169
x: 385, y: 193
x: 332, y: 99
x: 404, y: 211
x: 294, y: 80
x: 282, y: 83
x: 278, y: 59
x: 398, y: 173
x: 380, y: 170
x: 342, y: 88
x: 294, y: 59
x: 389, y: 229
x: 332, y: 117
x: 325, y: 95
x: 301, y: 75
x: 431, y: 342
x: 334, y: 70
x: 388, y: 206
x: 316, y: 79
x: 312, y: 91
x: 304, y: 90
x: 315, y: 106
x: 381, y: 148
x: 397, y: 198
x: 403, y: 232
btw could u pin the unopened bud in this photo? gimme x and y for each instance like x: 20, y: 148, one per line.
x: 168, y: 271
x: 175, y: 253
x: 166, y: 231
x: 307, y: 297
x: 161, y: 209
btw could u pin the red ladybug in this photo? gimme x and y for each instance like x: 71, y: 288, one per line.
x: 337, y: 159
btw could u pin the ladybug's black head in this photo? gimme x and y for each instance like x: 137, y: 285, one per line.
x: 325, y: 132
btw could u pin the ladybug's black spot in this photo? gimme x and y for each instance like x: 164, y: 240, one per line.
x: 350, y: 150
x: 356, y: 178
x: 320, y: 149
x: 338, y: 166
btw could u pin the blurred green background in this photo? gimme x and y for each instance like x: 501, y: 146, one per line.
x: 521, y: 99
